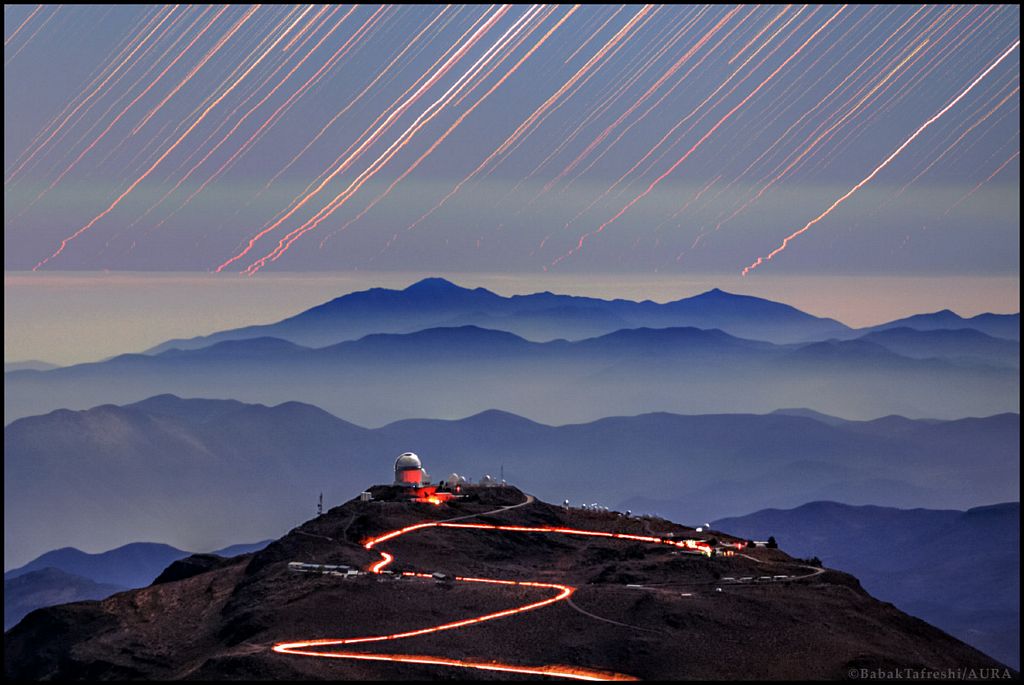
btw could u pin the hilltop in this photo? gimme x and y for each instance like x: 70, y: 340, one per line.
x: 641, y: 609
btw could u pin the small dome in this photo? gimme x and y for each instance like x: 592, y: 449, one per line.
x: 407, y: 462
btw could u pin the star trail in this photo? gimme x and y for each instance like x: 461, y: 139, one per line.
x: 532, y: 137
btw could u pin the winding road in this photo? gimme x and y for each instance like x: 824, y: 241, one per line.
x: 315, y: 648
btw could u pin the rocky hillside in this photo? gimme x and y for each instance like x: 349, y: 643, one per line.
x: 639, y: 609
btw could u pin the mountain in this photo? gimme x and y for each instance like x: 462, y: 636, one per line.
x: 69, y: 575
x: 133, y: 565
x: 582, y: 359
x: 958, y: 570
x: 47, y: 587
x: 437, y: 303
x: 449, y: 372
x: 200, y: 473
x: 964, y: 344
x: 563, y: 603
x: 1005, y: 326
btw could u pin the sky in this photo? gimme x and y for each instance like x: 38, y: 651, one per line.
x: 523, y: 139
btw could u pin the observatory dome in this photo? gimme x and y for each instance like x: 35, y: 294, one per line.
x: 408, y: 462
x: 409, y: 471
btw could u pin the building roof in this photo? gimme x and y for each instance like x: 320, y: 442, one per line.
x: 407, y: 462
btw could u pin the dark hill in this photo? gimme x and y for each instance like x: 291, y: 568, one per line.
x: 222, y: 623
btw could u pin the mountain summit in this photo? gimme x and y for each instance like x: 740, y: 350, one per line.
x: 435, y: 286
x: 493, y: 580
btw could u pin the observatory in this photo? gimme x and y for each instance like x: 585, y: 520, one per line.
x: 414, y: 484
x: 409, y: 471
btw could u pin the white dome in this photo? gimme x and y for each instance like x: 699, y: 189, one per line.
x: 407, y: 462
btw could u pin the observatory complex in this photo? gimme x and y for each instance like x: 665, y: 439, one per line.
x: 412, y: 484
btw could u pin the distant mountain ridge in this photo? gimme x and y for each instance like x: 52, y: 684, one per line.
x: 133, y: 565
x: 1005, y: 326
x: 47, y: 587
x: 70, y: 575
x: 966, y: 344
x: 456, y: 351
x: 170, y: 467
x: 467, y: 369
x: 436, y: 302
x: 958, y: 570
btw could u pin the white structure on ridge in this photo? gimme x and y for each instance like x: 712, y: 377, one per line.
x: 409, y: 472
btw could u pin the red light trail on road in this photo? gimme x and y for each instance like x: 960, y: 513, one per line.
x: 563, y: 592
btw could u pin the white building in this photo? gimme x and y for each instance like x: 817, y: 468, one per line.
x: 409, y: 471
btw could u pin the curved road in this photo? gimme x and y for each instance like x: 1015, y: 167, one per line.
x: 314, y: 648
